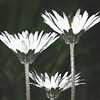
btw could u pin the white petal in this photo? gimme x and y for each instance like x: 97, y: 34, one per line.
x: 63, y: 23
x: 52, y: 38
x: 58, y: 79
x: 39, y: 39
x: 47, y: 81
x: 95, y: 22
x: 84, y: 19
x: 42, y: 43
x: 24, y: 47
x: 20, y: 36
x: 31, y: 41
x: 75, y: 24
x: 7, y: 39
x: 53, y: 84
x: 77, y: 12
x: 56, y: 75
x: 90, y: 20
x: 66, y: 23
x: 38, y: 85
x: 35, y: 39
x: 63, y: 83
x: 65, y: 75
x: 26, y: 38
x: 48, y: 21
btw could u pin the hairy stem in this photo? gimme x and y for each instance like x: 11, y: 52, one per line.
x: 51, y: 98
x: 72, y: 70
x: 27, y: 81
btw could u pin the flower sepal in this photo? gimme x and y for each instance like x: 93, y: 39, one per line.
x: 27, y: 58
x: 70, y: 37
x: 53, y: 93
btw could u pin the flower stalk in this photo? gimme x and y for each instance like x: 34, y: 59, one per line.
x: 27, y: 81
x: 72, y: 70
x: 51, y: 98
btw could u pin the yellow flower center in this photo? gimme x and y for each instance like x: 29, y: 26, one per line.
x: 70, y: 25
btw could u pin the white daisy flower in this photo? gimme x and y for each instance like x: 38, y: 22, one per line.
x: 27, y: 45
x: 76, y: 26
x: 54, y: 84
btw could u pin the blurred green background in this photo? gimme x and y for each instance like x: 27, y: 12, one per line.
x: 19, y: 15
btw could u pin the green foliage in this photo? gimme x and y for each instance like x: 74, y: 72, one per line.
x: 19, y: 15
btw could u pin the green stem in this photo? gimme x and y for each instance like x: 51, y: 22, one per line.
x: 27, y: 81
x: 72, y: 70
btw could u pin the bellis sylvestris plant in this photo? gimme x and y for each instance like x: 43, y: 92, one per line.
x: 53, y: 85
x: 27, y: 46
x: 70, y: 29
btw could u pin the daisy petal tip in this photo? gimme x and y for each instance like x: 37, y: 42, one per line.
x: 52, y: 33
x: 45, y: 11
x: 36, y: 32
x: 5, y: 32
x: 53, y: 11
x: 26, y: 31
x: 42, y: 31
x: 64, y: 14
x: 79, y: 10
x: 2, y: 33
x: 86, y: 13
x: 23, y: 32
x: 42, y: 15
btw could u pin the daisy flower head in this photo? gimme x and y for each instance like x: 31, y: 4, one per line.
x: 71, y: 28
x: 53, y: 85
x: 27, y: 45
